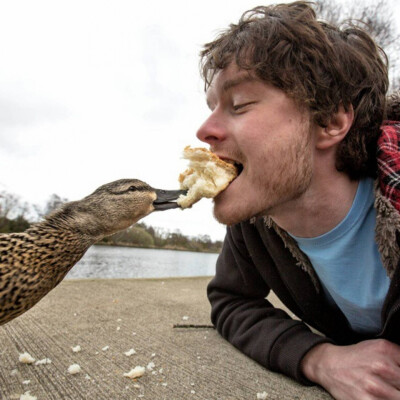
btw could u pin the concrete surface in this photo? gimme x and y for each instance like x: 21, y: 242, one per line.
x: 190, y: 363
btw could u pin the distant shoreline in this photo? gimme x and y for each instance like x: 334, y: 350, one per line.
x: 136, y: 246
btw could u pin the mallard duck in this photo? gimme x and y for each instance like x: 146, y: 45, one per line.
x: 35, y: 261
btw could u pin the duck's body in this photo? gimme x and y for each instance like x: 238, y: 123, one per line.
x: 32, y: 263
x: 35, y: 261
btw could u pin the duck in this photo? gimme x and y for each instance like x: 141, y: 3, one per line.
x: 35, y: 261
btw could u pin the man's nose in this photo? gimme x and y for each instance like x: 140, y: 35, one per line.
x: 213, y: 130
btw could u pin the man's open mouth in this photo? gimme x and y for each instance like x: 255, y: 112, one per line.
x: 239, y: 167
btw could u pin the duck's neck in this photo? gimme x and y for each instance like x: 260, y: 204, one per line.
x: 78, y: 220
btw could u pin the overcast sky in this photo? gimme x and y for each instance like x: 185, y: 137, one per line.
x: 92, y: 91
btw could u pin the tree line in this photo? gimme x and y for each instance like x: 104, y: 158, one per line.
x: 17, y: 216
x: 142, y: 235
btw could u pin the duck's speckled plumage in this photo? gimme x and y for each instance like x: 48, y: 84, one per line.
x: 32, y: 263
x: 35, y: 261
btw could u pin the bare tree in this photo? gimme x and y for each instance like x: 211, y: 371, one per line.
x: 11, y: 205
x: 54, y: 202
x: 12, y: 213
x: 375, y: 17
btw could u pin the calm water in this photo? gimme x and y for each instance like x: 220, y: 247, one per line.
x: 128, y: 262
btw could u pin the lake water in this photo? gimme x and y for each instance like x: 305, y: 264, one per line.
x: 129, y: 262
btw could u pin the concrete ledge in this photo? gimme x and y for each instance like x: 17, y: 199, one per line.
x: 190, y: 363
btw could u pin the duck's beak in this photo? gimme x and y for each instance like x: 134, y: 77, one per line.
x: 166, y: 199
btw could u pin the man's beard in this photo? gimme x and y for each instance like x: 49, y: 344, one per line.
x: 288, y: 183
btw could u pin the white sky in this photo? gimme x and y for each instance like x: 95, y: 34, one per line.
x: 93, y: 90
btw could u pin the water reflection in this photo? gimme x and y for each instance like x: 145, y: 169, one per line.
x: 128, y: 262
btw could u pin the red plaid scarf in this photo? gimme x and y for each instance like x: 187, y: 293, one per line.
x: 389, y: 162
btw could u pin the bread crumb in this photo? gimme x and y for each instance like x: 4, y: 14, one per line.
x: 136, y: 372
x: 150, y: 366
x: 26, y: 358
x: 27, y: 396
x: 185, y: 317
x: 76, y: 349
x: 43, y: 362
x: 74, y: 369
x: 27, y: 382
x: 262, y: 396
x: 130, y: 352
x: 105, y: 348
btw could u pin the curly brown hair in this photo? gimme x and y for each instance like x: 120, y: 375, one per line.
x: 319, y: 65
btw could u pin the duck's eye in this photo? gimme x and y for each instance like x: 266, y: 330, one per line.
x: 132, y: 189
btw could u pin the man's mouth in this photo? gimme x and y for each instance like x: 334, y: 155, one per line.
x: 239, y: 167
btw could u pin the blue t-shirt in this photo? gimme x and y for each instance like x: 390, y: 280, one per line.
x: 347, y: 261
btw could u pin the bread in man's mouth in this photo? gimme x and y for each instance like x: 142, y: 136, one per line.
x: 206, y: 176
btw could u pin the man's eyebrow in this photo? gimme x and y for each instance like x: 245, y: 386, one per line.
x: 230, y: 83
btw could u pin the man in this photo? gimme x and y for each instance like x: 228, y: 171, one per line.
x: 297, y: 104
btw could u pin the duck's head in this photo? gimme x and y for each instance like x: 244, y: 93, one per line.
x: 117, y: 205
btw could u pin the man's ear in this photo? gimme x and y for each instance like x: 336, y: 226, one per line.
x: 337, y: 128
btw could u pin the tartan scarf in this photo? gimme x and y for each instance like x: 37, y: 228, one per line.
x: 388, y: 157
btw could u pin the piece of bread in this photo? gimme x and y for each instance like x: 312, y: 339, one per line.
x: 136, y: 372
x: 206, y: 176
x: 26, y: 358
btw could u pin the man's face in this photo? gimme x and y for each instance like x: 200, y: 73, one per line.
x: 259, y: 127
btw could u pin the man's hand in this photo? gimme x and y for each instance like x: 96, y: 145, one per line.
x: 367, y: 370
